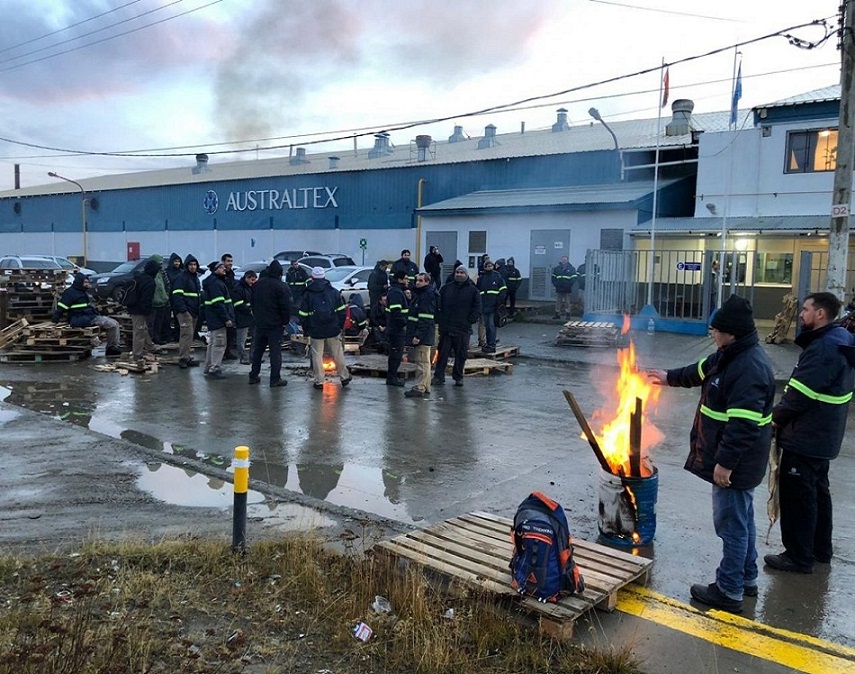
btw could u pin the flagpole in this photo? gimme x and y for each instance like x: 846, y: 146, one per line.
x: 652, y: 261
x: 728, y: 181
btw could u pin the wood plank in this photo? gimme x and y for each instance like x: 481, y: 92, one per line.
x: 11, y: 332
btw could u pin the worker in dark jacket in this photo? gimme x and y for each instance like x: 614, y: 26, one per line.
x: 297, y: 279
x: 140, y: 306
x: 492, y: 287
x: 173, y: 269
x: 450, y: 277
x: 459, y: 310
x: 563, y: 280
x: 75, y: 302
x: 271, y: 307
x: 231, y: 281
x: 186, y: 292
x: 397, y: 310
x: 420, y: 331
x: 433, y: 266
x: 323, y: 314
x: 405, y: 264
x: 513, y: 280
x: 810, y: 421
x: 729, y: 444
x: 378, y: 284
x: 356, y: 320
x: 219, y: 316
x: 244, y: 321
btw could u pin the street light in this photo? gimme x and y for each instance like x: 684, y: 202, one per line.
x: 83, y: 203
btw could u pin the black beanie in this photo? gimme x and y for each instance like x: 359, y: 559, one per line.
x: 274, y: 269
x: 735, y: 317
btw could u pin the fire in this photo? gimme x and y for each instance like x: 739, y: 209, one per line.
x: 613, y: 434
x: 329, y: 365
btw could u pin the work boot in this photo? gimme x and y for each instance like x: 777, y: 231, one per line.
x: 182, y: 363
x: 254, y: 380
x: 437, y: 381
x: 489, y: 349
x: 413, y: 393
x: 216, y: 374
x: 245, y: 361
x: 192, y: 362
x: 712, y: 596
x: 278, y: 382
x: 783, y: 562
x: 749, y: 590
x: 113, y: 352
x: 394, y: 382
x: 458, y: 382
x: 345, y: 382
x: 318, y: 385
x: 230, y: 355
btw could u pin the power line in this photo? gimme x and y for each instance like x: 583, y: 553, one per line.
x: 667, y: 11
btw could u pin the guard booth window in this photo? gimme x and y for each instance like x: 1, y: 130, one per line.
x: 811, y: 151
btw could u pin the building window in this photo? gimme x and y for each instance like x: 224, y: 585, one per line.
x: 811, y: 151
x: 774, y: 268
x: 611, y: 239
x: 477, y: 242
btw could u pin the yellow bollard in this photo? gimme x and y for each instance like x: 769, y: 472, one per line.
x: 241, y: 486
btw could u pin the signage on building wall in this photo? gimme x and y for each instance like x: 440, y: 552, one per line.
x: 298, y: 198
x: 558, y: 245
x: 540, y: 250
x: 840, y: 211
x: 688, y: 266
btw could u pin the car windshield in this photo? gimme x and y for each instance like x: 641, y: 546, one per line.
x: 343, y: 261
x: 338, y: 274
x: 62, y: 262
x: 38, y: 263
x: 125, y: 267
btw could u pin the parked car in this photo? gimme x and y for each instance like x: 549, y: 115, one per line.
x: 261, y: 265
x: 67, y: 264
x: 16, y: 262
x: 113, y: 284
x: 327, y: 261
x: 349, y: 280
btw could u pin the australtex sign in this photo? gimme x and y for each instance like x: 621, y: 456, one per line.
x: 263, y: 200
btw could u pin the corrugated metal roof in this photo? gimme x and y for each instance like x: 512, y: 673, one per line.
x: 766, y: 223
x: 626, y: 193
x: 829, y: 93
x: 631, y: 134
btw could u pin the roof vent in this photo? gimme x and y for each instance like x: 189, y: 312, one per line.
x: 561, y: 124
x: 333, y: 162
x: 423, y: 144
x: 382, y: 147
x: 457, y: 136
x: 201, y: 164
x: 681, y: 121
x: 299, y: 158
x: 489, y: 139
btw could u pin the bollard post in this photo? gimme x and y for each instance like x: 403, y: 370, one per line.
x: 241, y: 484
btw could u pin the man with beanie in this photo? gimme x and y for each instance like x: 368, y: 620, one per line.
x: 459, y: 310
x: 297, y: 279
x: 173, y: 269
x: 729, y: 444
x: 271, y: 307
x: 378, y: 284
x: 513, y: 279
x: 186, y: 292
x: 491, y: 285
x: 397, y: 310
x: 420, y: 331
x: 140, y: 307
x: 810, y: 420
x: 82, y: 314
x: 322, y: 314
x: 219, y: 316
x: 244, y: 320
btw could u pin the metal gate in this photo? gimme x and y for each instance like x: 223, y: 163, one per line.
x: 547, y: 248
x: 813, y: 274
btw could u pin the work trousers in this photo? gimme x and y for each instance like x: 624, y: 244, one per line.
x: 263, y: 338
x: 396, y: 355
x: 806, y: 517
x: 336, y: 351
x: 511, y: 300
x: 186, y: 322
x: 111, y: 326
x: 217, y: 340
x: 422, y: 368
x: 142, y: 343
x: 240, y: 342
x: 733, y: 517
x: 562, y: 304
x: 158, y: 324
x: 456, y: 344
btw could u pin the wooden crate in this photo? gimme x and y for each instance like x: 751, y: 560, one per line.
x: 474, y: 550
x: 502, y: 353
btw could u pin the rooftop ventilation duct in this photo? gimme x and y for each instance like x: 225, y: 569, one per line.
x: 489, y: 139
x: 201, y: 164
x: 561, y: 123
x: 681, y: 120
x: 333, y: 162
x: 299, y: 158
x: 457, y: 136
x: 381, y: 146
x: 423, y: 145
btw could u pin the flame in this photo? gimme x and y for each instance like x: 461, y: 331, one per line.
x: 611, y: 426
x: 329, y: 365
x: 626, y: 324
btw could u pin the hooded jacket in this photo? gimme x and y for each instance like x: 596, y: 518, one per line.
x: 409, y: 267
x: 297, y: 280
x: 218, y: 302
x: 242, y: 304
x: 397, y: 309
x: 564, y: 278
x: 144, y: 287
x: 422, y: 315
x: 171, y: 271
x: 271, y: 299
x: 186, y: 290
x: 459, y: 307
x: 322, y: 311
x: 162, y: 286
x: 512, y: 275
x: 433, y: 265
x: 355, y: 310
x: 811, y: 416
x: 378, y: 282
x: 492, y: 286
x: 75, y: 301
x: 733, y: 422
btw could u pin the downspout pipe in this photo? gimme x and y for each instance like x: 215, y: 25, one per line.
x: 419, y: 196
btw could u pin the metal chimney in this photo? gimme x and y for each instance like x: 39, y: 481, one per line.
x: 381, y: 146
x: 17, y: 176
x: 489, y: 139
x: 299, y: 158
x: 561, y: 124
x: 201, y: 164
x: 457, y: 136
x: 423, y: 144
x: 333, y: 162
x: 681, y: 120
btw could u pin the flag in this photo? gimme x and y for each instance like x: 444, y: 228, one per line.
x: 737, y: 94
x: 665, y: 89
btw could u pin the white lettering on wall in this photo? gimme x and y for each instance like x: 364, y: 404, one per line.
x: 293, y: 199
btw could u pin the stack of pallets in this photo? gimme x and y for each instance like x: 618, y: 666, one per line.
x: 45, y: 342
x: 588, y: 333
x: 30, y: 293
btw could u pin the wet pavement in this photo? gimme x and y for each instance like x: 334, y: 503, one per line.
x: 366, y: 451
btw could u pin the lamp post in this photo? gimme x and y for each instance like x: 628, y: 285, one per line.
x: 596, y: 115
x: 83, y: 203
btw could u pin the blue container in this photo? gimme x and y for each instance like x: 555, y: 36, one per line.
x: 627, y: 511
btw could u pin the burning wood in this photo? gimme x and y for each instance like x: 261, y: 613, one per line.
x: 329, y: 365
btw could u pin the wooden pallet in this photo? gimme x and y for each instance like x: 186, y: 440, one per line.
x: 375, y: 365
x: 588, y: 333
x: 10, y: 333
x: 474, y: 550
x: 43, y: 356
x: 482, y: 366
x: 502, y: 353
x: 126, y: 366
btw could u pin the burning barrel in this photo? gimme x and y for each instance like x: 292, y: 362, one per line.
x: 627, y: 510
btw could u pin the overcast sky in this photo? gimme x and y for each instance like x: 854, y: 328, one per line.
x: 187, y: 76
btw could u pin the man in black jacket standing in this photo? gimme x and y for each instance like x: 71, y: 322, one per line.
x: 378, y: 284
x: 810, y: 421
x: 459, y: 310
x: 244, y: 320
x: 219, y: 316
x: 563, y: 280
x: 271, y: 307
x: 420, y: 331
x: 297, y: 279
x: 491, y: 284
x: 186, y: 291
x: 397, y: 310
x: 729, y: 444
x: 433, y: 266
x: 405, y: 264
x: 140, y: 308
x: 323, y: 312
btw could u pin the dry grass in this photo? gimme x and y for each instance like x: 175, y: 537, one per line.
x: 286, y: 606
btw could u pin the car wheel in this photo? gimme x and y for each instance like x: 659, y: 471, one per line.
x: 118, y: 293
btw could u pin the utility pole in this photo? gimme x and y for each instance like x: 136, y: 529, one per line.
x: 838, y: 236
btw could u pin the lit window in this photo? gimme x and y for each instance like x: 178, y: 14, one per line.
x: 811, y: 151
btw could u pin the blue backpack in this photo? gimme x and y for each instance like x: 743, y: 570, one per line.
x: 542, y: 565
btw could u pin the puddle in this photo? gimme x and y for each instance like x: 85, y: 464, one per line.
x: 184, y: 487
x: 288, y: 516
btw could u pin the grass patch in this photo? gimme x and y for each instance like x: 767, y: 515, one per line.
x: 286, y: 606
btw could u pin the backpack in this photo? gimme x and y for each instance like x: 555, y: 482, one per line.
x: 323, y: 310
x: 348, y: 321
x: 129, y: 299
x: 542, y: 565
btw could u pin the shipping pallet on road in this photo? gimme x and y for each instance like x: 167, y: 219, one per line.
x: 123, y: 367
x: 502, y: 353
x: 43, y: 356
x: 588, y: 333
x: 475, y: 366
x: 472, y: 552
x: 375, y: 365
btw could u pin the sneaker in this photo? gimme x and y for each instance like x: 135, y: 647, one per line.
x: 345, y: 382
x: 245, y: 361
x: 394, y: 382
x: 278, y: 383
x: 318, y: 385
x: 782, y: 562
x: 216, y: 374
x: 489, y: 349
x: 182, y: 363
x: 254, y: 380
x: 192, y: 362
x: 436, y: 381
x: 712, y: 596
x: 412, y: 393
x: 113, y: 352
x: 458, y: 382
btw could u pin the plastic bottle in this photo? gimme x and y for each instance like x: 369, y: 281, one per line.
x: 651, y: 326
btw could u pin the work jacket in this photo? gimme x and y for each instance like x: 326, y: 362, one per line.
x: 733, y: 421
x: 322, y: 311
x: 76, y: 302
x: 513, y: 278
x: 242, y: 303
x: 564, y: 278
x: 491, y: 285
x: 422, y: 315
x: 811, y: 416
x: 397, y: 310
x: 459, y: 307
x: 409, y: 267
x: 144, y: 289
x: 218, y: 302
x: 271, y: 300
x: 297, y: 280
x: 186, y: 290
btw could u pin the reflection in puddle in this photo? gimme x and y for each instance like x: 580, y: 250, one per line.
x: 8, y: 415
x: 184, y: 487
x: 288, y: 516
